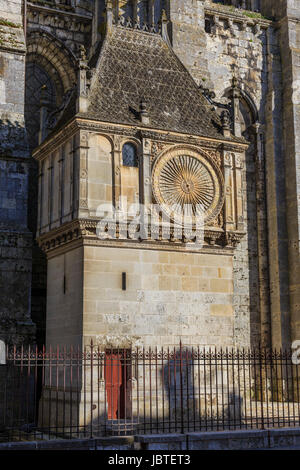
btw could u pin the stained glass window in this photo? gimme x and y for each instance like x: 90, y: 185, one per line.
x: 129, y: 154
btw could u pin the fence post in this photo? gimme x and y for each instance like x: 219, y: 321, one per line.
x: 181, y: 391
x: 2, y: 353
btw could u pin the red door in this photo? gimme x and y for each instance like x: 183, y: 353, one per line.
x: 117, y: 372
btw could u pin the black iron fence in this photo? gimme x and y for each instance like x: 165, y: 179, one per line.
x: 72, y: 393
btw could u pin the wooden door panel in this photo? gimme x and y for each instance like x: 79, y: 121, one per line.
x: 117, y: 372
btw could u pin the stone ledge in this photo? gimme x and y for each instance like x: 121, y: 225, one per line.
x: 279, y: 438
x: 124, y: 442
x: 218, y: 440
x: 287, y: 431
x: 246, y: 17
x: 194, y: 436
x: 228, y: 440
x: 150, y: 438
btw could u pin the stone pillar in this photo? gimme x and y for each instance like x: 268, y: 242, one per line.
x: 229, y: 192
x: 276, y: 202
x: 262, y: 236
x: 290, y: 53
x: 146, y: 189
x: 16, y: 325
x: 117, y: 156
x: 83, y: 174
x: 288, y: 171
x: 61, y: 183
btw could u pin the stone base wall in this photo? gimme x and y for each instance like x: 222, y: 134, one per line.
x: 170, y: 296
x: 230, y: 440
x: 16, y: 326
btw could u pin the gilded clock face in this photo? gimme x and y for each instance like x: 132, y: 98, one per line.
x: 186, y: 182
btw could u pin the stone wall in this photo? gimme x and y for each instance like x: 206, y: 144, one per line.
x: 290, y: 44
x: 65, y: 299
x: 264, y: 60
x: 15, y: 238
x: 214, y: 42
x: 169, y: 296
x: 53, y: 33
x: 233, y: 46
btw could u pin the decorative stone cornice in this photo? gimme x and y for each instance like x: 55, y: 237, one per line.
x: 234, y: 238
x: 53, y: 142
x: 84, y: 232
x: 245, y: 18
x: 57, y: 10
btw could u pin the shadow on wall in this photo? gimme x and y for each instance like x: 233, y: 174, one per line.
x: 145, y: 393
x: 182, y: 390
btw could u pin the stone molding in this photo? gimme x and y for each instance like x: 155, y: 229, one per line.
x: 57, y: 10
x: 53, y: 142
x: 83, y: 232
x: 235, y: 16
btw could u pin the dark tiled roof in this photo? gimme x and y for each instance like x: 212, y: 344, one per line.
x: 135, y: 65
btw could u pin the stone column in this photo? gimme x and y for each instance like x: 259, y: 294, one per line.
x: 239, y: 216
x: 276, y: 202
x: 262, y: 237
x: 230, y: 212
x: 116, y: 180
x: 290, y: 53
x: 146, y: 188
x: 50, y: 190
x: 41, y: 187
x: 82, y: 174
x: 61, y: 184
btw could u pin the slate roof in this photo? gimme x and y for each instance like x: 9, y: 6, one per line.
x: 135, y: 65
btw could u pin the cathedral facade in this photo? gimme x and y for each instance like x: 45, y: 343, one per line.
x: 112, y: 108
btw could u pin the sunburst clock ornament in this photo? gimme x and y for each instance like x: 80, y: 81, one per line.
x: 187, y: 186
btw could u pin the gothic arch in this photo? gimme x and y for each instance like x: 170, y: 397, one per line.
x: 248, y: 113
x: 247, y: 105
x: 51, y: 64
x: 255, y: 203
x: 50, y: 52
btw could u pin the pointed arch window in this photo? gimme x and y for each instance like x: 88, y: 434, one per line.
x: 129, y: 155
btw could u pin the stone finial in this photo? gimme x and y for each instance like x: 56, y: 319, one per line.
x: 164, y: 26
x: 164, y: 18
x: 234, y: 82
x: 82, y: 81
x: 82, y: 52
x: 144, y: 115
x: 225, y: 119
